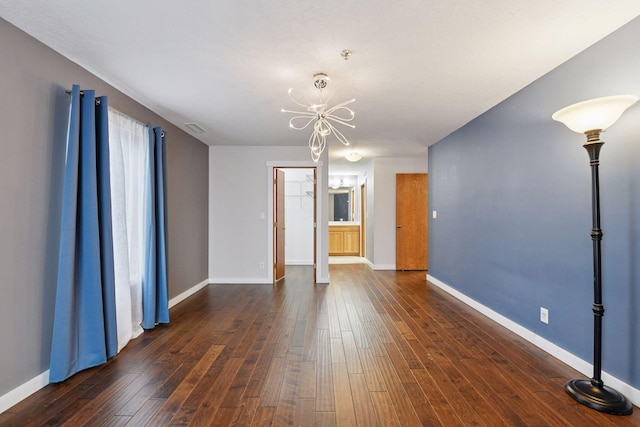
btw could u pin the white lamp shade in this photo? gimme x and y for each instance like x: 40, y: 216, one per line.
x: 599, y: 113
x: 352, y: 156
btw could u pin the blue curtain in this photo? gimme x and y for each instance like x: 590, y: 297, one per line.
x: 154, y: 283
x: 84, y: 326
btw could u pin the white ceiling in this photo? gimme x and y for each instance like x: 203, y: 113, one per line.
x: 420, y: 69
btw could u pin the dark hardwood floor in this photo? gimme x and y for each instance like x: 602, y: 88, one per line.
x: 371, y: 348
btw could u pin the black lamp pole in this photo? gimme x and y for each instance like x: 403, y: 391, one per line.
x: 593, y: 393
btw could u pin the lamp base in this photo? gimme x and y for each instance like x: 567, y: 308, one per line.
x: 603, y: 399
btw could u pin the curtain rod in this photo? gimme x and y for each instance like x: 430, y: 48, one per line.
x: 69, y: 92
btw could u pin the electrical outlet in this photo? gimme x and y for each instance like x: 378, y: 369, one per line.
x: 261, y: 266
x: 544, y: 315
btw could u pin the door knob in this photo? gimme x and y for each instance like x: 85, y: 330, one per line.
x: 398, y: 226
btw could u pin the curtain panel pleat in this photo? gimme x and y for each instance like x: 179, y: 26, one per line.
x: 154, y: 285
x: 84, y: 329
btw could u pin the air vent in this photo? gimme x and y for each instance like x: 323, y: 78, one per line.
x: 195, y: 128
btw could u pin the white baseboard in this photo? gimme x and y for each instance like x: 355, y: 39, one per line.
x: 298, y: 262
x: 186, y: 294
x: 559, y: 353
x: 255, y: 281
x: 383, y: 266
x: 22, y: 392
x: 241, y: 281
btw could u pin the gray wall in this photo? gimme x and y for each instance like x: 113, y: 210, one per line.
x: 512, y: 191
x: 33, y: 119
x: 240, y: 191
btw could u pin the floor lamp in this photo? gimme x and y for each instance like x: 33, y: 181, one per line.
x: 592, y: 117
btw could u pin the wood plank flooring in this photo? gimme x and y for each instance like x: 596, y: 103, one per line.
x: 370, y: 349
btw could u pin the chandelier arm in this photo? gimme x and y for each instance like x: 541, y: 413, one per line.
x: 335, y: 112
x: 299, y: 127
x: 341, y: 105
x: 315, y: 156
x: 305, y: 106
x: 307, y: 113
x: 322, y: 127
x: 316, y: 108
x: 339, y: 120
x: 339, y: 136
x: 317, y: 144
x: 312, y: 140
x: 323, y: 144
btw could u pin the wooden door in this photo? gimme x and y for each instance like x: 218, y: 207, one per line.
x: 278, y: 224
x: 412, y: 231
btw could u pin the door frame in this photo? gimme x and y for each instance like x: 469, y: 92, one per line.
x: 279, y: 203
x: 363, y: 217
x: 321, y: 229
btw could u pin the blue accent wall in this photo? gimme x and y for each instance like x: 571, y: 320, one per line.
x: 512, y: 190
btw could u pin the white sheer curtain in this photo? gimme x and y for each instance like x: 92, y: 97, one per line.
x: 129, y: 151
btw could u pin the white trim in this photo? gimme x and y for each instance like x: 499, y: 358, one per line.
x: 554, y: 350
x: 22, y: 392
x: 310, y: 164
x: 383, y: 266
x: 241, y: 281
x: 323, y: 280
x: 186, y: 294
x: 299, y: 262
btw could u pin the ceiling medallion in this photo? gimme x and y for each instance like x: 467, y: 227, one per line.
x: 322, y: 116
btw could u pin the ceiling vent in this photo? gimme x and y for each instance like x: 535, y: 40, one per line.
x: 195, y: 128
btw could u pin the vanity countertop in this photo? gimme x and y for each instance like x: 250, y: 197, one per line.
x: 331, y: 223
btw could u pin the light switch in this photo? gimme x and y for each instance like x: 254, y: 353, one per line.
x: 262, y: 216
x: 435, y: 214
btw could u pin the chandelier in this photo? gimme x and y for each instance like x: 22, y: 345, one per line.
x: 322, y: 117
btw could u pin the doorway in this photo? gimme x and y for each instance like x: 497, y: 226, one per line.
x: 412, y: 232
x: 363, y: 216
x: 295, y: 222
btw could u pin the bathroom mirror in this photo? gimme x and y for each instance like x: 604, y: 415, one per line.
x: 343, y: 198
x: 339, y: 205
